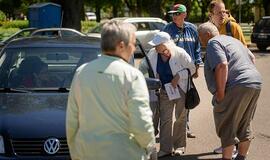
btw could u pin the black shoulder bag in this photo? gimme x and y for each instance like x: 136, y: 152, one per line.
x: 192, y: 95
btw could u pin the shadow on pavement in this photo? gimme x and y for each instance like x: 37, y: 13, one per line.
x: 191, y: 157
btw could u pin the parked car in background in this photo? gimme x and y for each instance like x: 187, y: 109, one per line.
x: 147, y: 27
x: 91, y: 16
x: 261, y: 33
x: 21, y: 33
x: 62, y: 32
x: 35, y: 77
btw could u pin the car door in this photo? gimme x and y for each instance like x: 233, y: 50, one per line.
x: 144, y: 34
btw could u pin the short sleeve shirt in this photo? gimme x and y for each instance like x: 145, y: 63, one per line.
x: 241, y: 70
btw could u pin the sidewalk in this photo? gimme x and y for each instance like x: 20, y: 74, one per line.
x: 251, y: 45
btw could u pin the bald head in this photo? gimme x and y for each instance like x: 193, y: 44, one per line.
x: 208, y: 27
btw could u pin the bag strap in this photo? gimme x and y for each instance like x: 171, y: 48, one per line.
x: 189, y: 79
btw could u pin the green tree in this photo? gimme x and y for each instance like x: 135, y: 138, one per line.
x: 2, y: 16
x: 73, y: 12
x: 9, y: 7
x: 97, y: 5
x: 155, y: 9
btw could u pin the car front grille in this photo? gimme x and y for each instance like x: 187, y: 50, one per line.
x: 35, y: 147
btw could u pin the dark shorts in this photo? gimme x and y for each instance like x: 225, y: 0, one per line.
x: 234, y: 114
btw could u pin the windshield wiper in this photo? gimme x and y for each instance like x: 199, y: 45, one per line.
x: 62, y: 89
x: 14, y: 90
x: 29, y: 90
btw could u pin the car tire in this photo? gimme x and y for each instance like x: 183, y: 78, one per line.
x: 261, y: 47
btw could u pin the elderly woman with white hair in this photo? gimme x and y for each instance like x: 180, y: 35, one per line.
x: 170, y: 64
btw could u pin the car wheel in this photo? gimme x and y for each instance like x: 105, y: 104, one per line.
x: 261, y: 47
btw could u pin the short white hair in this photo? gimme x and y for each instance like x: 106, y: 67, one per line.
x: 115, y: 31
x: 208, y: 27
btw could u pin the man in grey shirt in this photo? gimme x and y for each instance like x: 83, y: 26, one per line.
x: 235, y: 84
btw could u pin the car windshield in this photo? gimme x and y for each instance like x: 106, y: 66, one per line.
x: 42, y: 67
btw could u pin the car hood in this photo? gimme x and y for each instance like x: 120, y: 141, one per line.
x: 31, y: 115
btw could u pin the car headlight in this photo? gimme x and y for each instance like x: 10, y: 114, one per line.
x: 2, y: 147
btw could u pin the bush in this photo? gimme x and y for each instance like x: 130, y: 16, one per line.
x: 5, y: 33
x: 88, y: 25
x: 2, y: 16
x: 15, y: 24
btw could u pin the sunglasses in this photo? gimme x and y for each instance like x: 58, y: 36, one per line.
x: 176, y: 14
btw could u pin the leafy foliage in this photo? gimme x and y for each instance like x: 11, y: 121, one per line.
x: 15, y: 24
x: 5, y: 33
x: 197, y: 9
x: 2, y: 16
x: 88, y: 25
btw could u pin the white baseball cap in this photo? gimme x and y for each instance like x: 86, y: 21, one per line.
x: 160, y: 37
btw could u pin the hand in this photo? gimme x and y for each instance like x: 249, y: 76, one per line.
x: 174, y: 81
x: 196, y: 74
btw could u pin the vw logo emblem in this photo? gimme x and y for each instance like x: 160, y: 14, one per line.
x: 51, y: 145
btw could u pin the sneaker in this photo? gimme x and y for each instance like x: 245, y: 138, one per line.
x: 235, y: 153
x: 191, y: 135
x: 179, y: 151
x: 163, y: 154
x: 219, y: 150
x: 239, y: 157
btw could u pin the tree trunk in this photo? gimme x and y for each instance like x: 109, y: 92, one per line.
x: 72, y: 11
x: 139, y: 8
x: 155, y: 9
x: 131, y: 7
x: 98, y: 15
x: 115, y: 10
x: 266, y: 6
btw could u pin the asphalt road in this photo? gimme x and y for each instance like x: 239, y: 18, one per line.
x: 202, y: 123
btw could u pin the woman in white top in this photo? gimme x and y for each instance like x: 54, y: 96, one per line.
x: 170, y: 64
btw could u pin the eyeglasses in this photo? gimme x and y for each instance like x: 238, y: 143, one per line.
x: 221, y: 13
x: 176, y: 14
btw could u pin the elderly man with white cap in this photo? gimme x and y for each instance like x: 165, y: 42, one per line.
x: 170, y: 64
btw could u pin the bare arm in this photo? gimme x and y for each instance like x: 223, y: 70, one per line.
x: 221, y: 75
x: 251, y: 56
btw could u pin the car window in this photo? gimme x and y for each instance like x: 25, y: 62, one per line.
x: 43, y: 67
x: 141, y: 26
x: 156, y: 25
x: 69, y: 33
x: 267, y: 23
x: 46, y: 33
